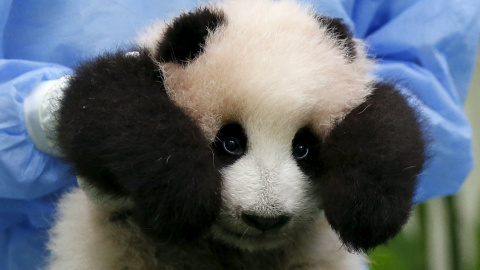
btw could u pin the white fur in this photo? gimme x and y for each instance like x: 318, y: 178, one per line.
x: 85, y: 239
x: 269, y: 57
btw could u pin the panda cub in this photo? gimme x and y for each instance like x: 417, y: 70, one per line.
x: 242, y: 135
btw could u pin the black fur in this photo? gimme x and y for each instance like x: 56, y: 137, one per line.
x: 341, y: 31
x: 185, y: 37
x: 371, y: 160
x: 126, y: 137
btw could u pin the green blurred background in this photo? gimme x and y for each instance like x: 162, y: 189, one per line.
x: 443, y: 233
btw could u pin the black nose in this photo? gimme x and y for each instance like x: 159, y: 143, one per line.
x: 265, y: 223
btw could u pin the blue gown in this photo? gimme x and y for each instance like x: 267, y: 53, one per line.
x: 428, y: 47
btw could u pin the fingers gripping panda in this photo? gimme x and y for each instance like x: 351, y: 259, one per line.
x: 243, y: 135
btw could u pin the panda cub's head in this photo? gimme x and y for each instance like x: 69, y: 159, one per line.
x: 246, y: 122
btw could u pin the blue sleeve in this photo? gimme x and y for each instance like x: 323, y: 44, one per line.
x: 28, y: 178
x: 25, y: 172
x: 428, y: 48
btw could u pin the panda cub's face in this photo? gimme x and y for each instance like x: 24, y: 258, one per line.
x: 267, y: 198
x: 265, y: 89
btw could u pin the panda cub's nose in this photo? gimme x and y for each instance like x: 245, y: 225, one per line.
x: 265, y: 223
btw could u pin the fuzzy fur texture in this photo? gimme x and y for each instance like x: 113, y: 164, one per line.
x: 191, y: 155
x: 371, y: 161
x: 340, y: 31
x: 322, y: 85
x: 126, y: 138
x: 86, y: 237
x: 185, y: 36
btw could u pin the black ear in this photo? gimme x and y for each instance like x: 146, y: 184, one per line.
x: 126, y: 137
x: 185, y: 36
x: 371, y: 161
x: 341, y: 31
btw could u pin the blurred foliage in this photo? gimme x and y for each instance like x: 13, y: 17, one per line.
x: 400, y: 254
x: 408, y: 251
x: 403, y: 252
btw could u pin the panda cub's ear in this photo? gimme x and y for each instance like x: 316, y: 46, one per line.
x: 371, y: 161
x: 340, y: 31
x: 127, y: 139
x: 185, y: 37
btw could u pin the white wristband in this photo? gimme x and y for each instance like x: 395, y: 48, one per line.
x: 40, y: 108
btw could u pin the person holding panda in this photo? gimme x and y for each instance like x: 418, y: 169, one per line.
x: 40, y: 49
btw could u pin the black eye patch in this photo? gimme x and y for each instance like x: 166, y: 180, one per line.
x: 229, y: 145
x: 305, y: 149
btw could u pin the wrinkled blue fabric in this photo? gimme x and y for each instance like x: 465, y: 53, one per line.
x: 427, y: 47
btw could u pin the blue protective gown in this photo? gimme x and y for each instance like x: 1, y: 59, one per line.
x: 427, y: 46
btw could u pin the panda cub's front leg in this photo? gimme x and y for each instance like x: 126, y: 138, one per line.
x: 133, y: 150
x: 88, y: 237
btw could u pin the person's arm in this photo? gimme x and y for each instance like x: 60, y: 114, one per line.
x: 26, y: 172
x: 29, y: 178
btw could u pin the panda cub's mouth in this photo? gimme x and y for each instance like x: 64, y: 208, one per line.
x: 250, y: 238
x: 247, y: 234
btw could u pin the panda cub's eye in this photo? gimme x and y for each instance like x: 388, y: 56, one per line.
x: 300, y: 151
x: 232, y: 146
x: 230, y: 142
x: 304, y: 145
